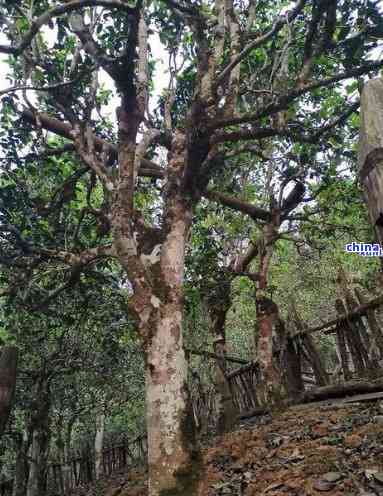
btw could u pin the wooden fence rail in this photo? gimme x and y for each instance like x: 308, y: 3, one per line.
x: 243, y: 382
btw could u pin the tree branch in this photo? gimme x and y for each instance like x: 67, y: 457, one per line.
x: 51, y: 87
x: 253, y: 133
x: 285, y: 100
x: 278, y: 25
x: 240, y: 206
x: 148, y: 168
x: 81, y: 259
x: 58, y: 11
x: 191, y: 11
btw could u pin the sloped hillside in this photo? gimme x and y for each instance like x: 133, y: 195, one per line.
x: 332, y: 449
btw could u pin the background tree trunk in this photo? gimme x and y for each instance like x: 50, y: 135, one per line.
x: 39, y: 428
x: 8, y: 370
x: 99, y: 442
x: 21, y: 466
x: 269, y: 387
x: 67, y: 469
x: 218, y: 305
x: 292, y: 365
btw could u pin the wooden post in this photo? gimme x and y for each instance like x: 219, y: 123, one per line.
x: 308, y: 345
x: 352, y: 304
x: 358, y: 334
x: 341, y: 343
x: 376, y: 332
x: 321, y: 376
x: 355, y: 349
x: 371, y: 151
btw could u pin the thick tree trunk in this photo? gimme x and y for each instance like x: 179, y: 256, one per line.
x: 174, y: 462
x: 156, y: 275
x: 99, y: 443
x: 39, y: 427
x: 169, y: 421
x: 371, y: 151
x: 269, y: 389
x: 8, y: 369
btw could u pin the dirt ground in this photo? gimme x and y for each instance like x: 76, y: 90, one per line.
x: 305, y: 451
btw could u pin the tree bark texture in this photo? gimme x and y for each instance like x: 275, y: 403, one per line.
x: 218, y: 306
x: 158, y: 306
x: 99, y: 443
x: 21, y: 465
x: 39, y: 430
x: 341, y: 344
x: 338, y: 391
x: 8, y: 370
x: 371, y: 151
x: 269, y: 388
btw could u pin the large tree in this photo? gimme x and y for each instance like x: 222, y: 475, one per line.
x: 239, y: 72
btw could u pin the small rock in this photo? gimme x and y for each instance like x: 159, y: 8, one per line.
x: 323, y: 485
x: 273, y: 440
x: 359, y: 420
x: 237, y: 467
x: 332, y: 476
x: 319, y: 431
x: 353, y: 441
x: 336, y: 428
x: 378, y: 419
x: 333, y: 419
